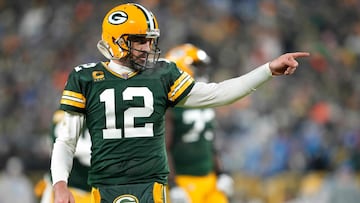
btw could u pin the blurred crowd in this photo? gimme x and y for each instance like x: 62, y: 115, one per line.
x: 299, y: 124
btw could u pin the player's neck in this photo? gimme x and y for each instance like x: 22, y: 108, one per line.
x: 118, y: 68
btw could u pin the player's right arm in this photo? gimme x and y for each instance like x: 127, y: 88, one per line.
x: 68, y: 131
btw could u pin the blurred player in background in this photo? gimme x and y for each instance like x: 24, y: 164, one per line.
x: 196, y: 174
x: 78, y: 177
x: 15, y: 186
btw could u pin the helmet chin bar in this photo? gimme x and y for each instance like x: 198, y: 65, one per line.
x: 127, y: 58
x: 152, y: 58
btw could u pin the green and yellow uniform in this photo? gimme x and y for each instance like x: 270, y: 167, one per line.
x: 125, y: 118
x: 192, y: 147
x: 193, y: 154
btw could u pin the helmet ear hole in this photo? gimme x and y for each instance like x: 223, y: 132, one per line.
x: 122, y: 43
x: 105, y: 49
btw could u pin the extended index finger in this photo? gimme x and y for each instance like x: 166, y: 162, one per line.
x: 300, y: 54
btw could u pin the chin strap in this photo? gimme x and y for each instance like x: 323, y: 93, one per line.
x: 104, y: 49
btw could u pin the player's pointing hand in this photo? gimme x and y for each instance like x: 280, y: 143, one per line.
x: 286, y: 64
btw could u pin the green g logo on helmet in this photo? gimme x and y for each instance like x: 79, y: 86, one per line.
x: 117, y: 18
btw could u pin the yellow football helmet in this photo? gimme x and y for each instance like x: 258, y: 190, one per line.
x: 190, y: 59
x: 125, y: 23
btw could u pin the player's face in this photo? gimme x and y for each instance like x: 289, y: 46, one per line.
x: 140, y: 48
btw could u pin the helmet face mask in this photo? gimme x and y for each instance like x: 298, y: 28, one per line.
x: 136, y: 58
x: 127, y: 25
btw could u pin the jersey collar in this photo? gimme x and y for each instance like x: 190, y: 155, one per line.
x: 120, y: 70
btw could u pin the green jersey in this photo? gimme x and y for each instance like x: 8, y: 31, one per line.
x: 81, y: 164
x: 125, y: 118
x: 192, y: 147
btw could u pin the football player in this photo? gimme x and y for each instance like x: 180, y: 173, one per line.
x: 196, y: 174
x: 78, y: 177
x: 123, y: 102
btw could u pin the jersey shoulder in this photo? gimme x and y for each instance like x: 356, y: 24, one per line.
x: 177, y: 83
x: 162, y: 69
x: 168, y: 65
x: 88, y: 71
x: 165, y: 68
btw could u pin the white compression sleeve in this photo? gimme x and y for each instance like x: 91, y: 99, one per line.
x: 228, y: 91
x: 83, y: 148
x: 67, y: 133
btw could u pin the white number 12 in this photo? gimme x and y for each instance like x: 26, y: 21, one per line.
x: 111, y: 132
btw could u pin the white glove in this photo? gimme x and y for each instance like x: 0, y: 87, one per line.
x: 179, y: 195
x: 225, y: 183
